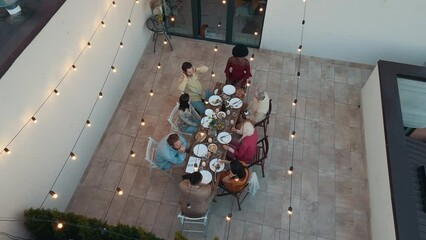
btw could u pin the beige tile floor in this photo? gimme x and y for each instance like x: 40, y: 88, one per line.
x: 329, y: 194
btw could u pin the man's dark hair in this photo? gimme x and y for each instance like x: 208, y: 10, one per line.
x: 195, y: 178
x: 172, y: 139
x: 238, y: 169
x: 185, y: 66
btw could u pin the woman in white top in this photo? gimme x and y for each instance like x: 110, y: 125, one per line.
x: 188, y: 118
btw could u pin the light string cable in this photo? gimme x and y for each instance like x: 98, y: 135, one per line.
x: 213, y: 74
x: 132, y: 152
x: 294, y: 117
x: 102, y: 231
x: 55, y: 91
x: 251, y: 79
x: 72, y: 155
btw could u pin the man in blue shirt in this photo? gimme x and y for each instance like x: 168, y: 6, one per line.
x: 170, y: 151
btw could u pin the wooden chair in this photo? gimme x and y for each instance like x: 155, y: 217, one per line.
x: 265, y: 122
x: 261, y: 155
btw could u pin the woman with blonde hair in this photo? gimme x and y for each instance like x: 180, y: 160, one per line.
x: 245, y: 148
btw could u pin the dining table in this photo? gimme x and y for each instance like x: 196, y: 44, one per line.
x: 222, y: 112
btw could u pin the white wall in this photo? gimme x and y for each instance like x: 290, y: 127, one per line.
x: 381, y: 214
x: 41, y: 149
x: 361, y: 31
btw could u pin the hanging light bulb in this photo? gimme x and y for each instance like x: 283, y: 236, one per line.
x: 215, y: 48
x: 224, y: 1
x: 143, y: 122
x: 34, y: 119
x: 290, y: 210
x: 53, y: 194
x: 101, y: 95
x: 121, y: 45
x: 74, y: 67
x: 7, y: 150
x: 88, y: 123
x: 113, y: 69
x: 290, y: 170
x: 172, y: 17
x: 59, y: 225
x: 294, y: 102
x: 151, y: 93
x: 303, y: 22
x: 261, y: 9
x: 300, y: 48
x: 113, y: 4
x: 219, y: 24
x: 248, y: 83
x: 129, y: 22
x: 228, y: 217
x: 159, y: 65
x: 137, y: 1
x: 119, y: 191
x: 213, y: 74
x: 304, y: 0
x: 103, y: 23
x: 89, y: 45
x: 293, y: 134
x: 132, y: 154
x: 165, y: 41
x: 56, y: 92
x: 256, y: 33
x: 73, y: 156
x: 188, y: 205
x: 252, y: 57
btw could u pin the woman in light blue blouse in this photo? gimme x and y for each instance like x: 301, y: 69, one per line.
x: 170, y: 151
x: 188, y: 118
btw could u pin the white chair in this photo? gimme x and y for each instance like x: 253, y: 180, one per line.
x: 204, y: 220
x: 173, y: 118
x: 150, y: 157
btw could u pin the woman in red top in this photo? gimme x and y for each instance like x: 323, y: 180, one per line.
x: 245, y: 148
x: 237, y: 69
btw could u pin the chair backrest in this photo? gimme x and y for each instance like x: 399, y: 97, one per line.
x: 172, y: 118
x: 262, y: 148
x: 269, y: 109
x: 150, y: 151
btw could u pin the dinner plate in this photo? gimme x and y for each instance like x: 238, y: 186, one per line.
x: 215, y: 100
x: 208, y: 112
x: 212, y: 165
x: 224, y: 137
x: 207, y: 177
x: 235, y: 103
x: 228, y: 89
x: 200, y: 150
x: 205, y: 121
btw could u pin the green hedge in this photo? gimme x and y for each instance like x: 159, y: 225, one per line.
x: 42, y: 223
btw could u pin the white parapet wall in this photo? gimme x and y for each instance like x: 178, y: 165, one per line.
x: 40, y: 151
x: 381, y: 214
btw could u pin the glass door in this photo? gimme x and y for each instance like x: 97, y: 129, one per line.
x: 247, y: 21
x: 213, y: 22
x: 178, y: 14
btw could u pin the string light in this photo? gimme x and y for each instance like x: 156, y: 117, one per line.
x: 215, y: 48
x: 121, y: 45
x: 219, y: 24
x: 89, y: 45
x: 151, y: 93
x: 300, y: 48
x: 290, y: 210
x: 228, y: 217
x: 137, y: 1
x: 294, y: 102
x: 119, y: 191
x: 113, y: 69
x: 252, y: 57
x: 132, y: 154
x: 53, y: 194
x: 290, y: 170
x: 74, y: 67
x: 213, y: 74
x: 34, y: 119
x: 59, y: 225
x: 7, y: 150
x: 88, y: 123
x: 113, y: 4
x: 256, y: 33
x: 248, y: 83
x: 103, y: 24
x: 165, y: 41
x: 159, y: 65
x: 101, y: 95
x: 129, y: 22
x: 261, y: 9
x: 56, y: 92
x: 293, y: 134
x: 143, y: 122
x: 73, y: 156
x: 172, y: 17
x: 224, y: 1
